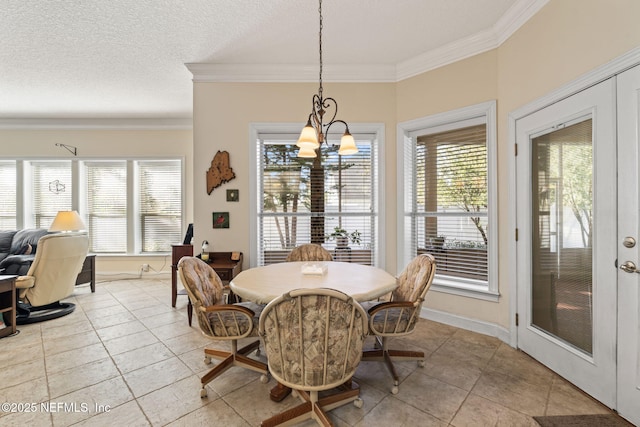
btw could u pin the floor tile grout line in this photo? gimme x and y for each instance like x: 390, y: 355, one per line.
x: 153, y: 293
x: 469, y: 393
x: 120, y: 373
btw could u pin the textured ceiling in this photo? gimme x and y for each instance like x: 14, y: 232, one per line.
x: 126, y: 58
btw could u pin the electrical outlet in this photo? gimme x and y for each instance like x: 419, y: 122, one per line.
x: 145, y: 268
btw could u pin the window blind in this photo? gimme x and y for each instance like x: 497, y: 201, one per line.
x: 451, y: 209
x: 52, y: 190
x: 106, y: 195
x: 160, y: 204
x: 306, y: 203
x: 8, y: 191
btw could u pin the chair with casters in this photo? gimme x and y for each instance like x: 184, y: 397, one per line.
x: 400, y: 315
x: 313, y: 339
x: 219, y: 320
x: 309, y: 252
x: 51, y: 277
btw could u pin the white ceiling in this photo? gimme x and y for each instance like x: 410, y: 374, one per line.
x: 126, y: 58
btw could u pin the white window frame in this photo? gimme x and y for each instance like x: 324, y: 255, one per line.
x: 257, y: 129
x: 134, y: 244
x: 7, y: 167
x: 407, y: 132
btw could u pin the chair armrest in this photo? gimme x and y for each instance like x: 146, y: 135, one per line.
x: 393, y: 318
x: 228, y: 307
x: 390, y: 304
x: 24, y: 282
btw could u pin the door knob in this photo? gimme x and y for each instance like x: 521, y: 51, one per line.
x: 629, y: 267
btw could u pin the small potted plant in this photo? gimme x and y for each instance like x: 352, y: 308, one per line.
x: 343, y: 237
x: 437, y: 242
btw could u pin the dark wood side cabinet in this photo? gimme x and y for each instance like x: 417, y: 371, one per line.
x: 177, y: 252
x: 226, y: 264
x: 8, y: 304
x: 88, y: 272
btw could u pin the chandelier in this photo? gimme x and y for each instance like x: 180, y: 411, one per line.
x: 315, y: 131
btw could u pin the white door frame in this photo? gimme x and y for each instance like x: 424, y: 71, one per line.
x: 628, y: 145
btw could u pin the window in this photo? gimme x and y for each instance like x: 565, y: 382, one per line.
x: 160, y: 204
x: 317, y: 200
x: 8, y: 191
x: 448, y: 197
x: 51, y: 192
x: 129, y: 206
x: 106, y: 195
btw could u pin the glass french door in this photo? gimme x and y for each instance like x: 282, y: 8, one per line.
x: 566, y: 201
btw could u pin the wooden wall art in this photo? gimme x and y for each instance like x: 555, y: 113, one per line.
x: 220, y: 171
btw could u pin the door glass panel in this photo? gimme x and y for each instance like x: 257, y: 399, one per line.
x: 562, y: 222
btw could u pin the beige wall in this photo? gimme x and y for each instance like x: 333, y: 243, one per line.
x: 468, y: 82
x: 222, y: 116
x: 563, y: 41
x: 566, y: 39
x: 94, y: 143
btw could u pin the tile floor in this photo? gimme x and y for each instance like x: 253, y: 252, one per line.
x: 125, y: 357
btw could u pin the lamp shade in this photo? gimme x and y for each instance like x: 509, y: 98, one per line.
x: 307, y: 152
x: 347, y: 145
x: 308, y: 138
x: 67, y: 221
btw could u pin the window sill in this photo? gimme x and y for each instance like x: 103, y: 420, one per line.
x: 470, y: 290
x: 122, y: 255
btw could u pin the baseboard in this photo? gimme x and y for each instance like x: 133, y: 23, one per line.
x: 474, y: 325
x: 130, y: 275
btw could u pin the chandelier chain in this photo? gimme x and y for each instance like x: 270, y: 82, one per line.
x: 314, y: 133
x: 320, y: 47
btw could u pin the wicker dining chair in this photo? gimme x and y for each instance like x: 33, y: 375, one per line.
x: 309, y: 252
x: 219, y: 320
x: 398, y: 317
x: 313, y: 339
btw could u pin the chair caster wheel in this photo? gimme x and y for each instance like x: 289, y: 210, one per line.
x: 203, y: 393
x: 264, y: 379
x: 358, y: 403
x: 394, y: 390
x: 207, y: 360
x: 421, y: 363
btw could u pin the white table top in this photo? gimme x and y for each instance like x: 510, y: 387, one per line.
x: 263, y: 284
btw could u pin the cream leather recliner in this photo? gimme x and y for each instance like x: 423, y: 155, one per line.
x: 51, y: 277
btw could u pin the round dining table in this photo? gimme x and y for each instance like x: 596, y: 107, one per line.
x: 263, y: 284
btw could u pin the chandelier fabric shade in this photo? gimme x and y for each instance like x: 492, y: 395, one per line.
x: 347, y: 145
x: 307, y: 152
x: 308, y: 138
x: 315, y: 131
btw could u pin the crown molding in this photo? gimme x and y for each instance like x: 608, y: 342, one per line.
x: 478, y: 43
x: 516, y: 17
x: 96, y: 123
x: 510, y: 22
x: 447, y: 54
x: 289, y: 73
